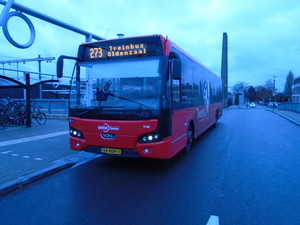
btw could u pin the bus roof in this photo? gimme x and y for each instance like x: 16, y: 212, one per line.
x: 167, y: 45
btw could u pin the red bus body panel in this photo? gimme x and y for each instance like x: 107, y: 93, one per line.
x: 127, y: 134
x: 202, y: 117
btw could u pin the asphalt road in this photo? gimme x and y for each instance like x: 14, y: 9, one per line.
x: 245, y: 171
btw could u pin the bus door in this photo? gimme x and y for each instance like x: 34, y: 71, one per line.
x: 179, y: 126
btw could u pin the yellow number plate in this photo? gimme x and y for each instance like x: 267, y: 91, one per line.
x: 111, y: 151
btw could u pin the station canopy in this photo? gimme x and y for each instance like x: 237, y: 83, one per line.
x: 8, y: 82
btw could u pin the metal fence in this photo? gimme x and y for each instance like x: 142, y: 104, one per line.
x: 51, y: 106
x: 292, y: 106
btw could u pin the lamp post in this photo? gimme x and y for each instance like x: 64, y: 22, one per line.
x: 274, y: 77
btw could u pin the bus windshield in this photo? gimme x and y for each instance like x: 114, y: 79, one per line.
x: 116, y: 87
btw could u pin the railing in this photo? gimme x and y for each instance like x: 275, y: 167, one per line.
x: 51, y: 106
x: 292, y: 106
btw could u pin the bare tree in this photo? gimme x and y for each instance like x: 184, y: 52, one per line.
x: 240, y: 86
x: 269, y: 85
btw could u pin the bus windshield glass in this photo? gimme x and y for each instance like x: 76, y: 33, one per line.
x: 117, y: 87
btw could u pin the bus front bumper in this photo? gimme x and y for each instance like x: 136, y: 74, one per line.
x: 161, y: 149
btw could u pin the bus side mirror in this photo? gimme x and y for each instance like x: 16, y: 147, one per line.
x: 177, y: 69
x: 60, y: 66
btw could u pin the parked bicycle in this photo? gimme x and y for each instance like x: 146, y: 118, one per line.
x: 4, y: 118
x: 11, y: 112
x: 39, y: 116
x: 14, y: 112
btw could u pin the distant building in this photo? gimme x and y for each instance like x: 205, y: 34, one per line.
x: 296, y: 90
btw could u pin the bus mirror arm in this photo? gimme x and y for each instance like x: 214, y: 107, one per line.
x: 60, y: 64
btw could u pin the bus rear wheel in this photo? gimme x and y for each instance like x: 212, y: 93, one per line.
x: 217, y: 118
x: 189, y: 139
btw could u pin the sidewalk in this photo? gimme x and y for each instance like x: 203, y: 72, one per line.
x: 289, y: 115
x: 22, y: 162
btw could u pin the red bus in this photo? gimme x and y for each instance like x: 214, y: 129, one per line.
x: 139, y: 97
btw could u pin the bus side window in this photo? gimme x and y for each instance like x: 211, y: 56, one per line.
x: 177, y: 69
x: 176, y: 91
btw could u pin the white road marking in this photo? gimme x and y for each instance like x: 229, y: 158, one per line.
x: 6, y: 152
x: 34, y: 138
x: 24, y: 156
x: 213, y: 220
x: 38, y: 159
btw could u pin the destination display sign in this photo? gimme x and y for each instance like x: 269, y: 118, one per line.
x: 116, y: 51
x: 121, y: 48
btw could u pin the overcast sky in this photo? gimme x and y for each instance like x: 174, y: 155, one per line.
x: 263, y: 35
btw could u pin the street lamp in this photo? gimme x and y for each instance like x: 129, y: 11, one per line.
x: 274, y: 77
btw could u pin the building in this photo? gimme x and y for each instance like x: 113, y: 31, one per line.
x: 296, y: 90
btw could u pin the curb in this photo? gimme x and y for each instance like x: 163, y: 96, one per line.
x: 286, y: 117
x: 59, y: 165
x: 57, y: 116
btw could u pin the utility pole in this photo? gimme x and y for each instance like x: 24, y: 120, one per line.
x: 40, y: 77
x: 224, y: 70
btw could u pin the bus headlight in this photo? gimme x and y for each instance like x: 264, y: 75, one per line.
x: 153, y: 137
x: 76, y: 133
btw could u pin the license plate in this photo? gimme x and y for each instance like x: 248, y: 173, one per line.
x: 114, y: 151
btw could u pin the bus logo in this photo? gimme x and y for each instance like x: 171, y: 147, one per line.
x: 108, y: 136
x: 201, y: 115
x: 106, y: 127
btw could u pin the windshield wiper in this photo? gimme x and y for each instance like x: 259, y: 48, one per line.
x: 143, y: 110
x: 99, y: 108
x: 147, y: 111
x: 85, y: 112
